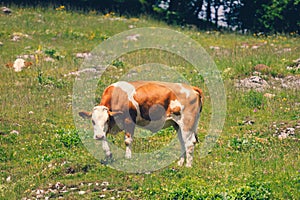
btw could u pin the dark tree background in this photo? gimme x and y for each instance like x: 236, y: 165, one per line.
x: 267, y: 16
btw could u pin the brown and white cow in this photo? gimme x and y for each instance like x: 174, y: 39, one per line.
x: 151, y: 105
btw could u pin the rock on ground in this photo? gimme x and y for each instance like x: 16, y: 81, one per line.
x: 254, y: 82
x: 259, y: 84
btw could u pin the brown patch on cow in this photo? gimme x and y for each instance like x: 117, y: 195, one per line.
x: 158, y: 105
x: 106, y: 97
x: 176, y: 110
x: 111, y: 98
x: 127, y: 139
x: 127, y: 135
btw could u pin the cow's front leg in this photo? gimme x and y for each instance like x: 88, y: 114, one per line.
x: 106, y: 149
x: 128, y: 141
x: 129, y: 130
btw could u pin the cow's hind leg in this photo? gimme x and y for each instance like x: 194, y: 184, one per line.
x: 182, y: 155
x: 187, y: 140
x: 190, y: 140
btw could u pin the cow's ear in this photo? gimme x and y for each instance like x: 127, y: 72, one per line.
x: 114, y: 113
x: 85, y: 114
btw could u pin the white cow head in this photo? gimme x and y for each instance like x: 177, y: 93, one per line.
x: 100, y: 119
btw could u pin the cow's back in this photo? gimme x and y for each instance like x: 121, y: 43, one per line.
x: 142, y: 95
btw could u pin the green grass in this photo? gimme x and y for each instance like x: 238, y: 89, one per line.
x: 246, y: 163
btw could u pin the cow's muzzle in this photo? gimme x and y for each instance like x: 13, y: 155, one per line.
x: 99, y: 137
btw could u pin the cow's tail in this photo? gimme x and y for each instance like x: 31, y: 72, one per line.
x: 201, y: 100
x: 200, y: 95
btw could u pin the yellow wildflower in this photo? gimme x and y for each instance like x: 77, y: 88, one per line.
x: 92, y: 36
x: 60, y: 8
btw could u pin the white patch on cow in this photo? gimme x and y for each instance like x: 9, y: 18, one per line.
x: 130, y: 91
x: 184, y: 90
x: 176, y: 103
x: 100, y: 119
x: 177, y: 118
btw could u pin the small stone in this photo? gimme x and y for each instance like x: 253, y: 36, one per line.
x: 14, y: 132
x: 81, y: 192
x: 287, y: 50
x: 290, y: 129
x: 256, y: 73
x: 83, y: 55
x: 38, y: 191
x: 105, y: 183
x: 248, y: 122
x: 59, y: 185
x: 16, y: 38
x: 282, y: 136
x: 49, y: 59
x: 253, y: 82
x: 269, y: 95
x: 19, y: 64
x: 214, y: 47
x: 8, y: 179
x: 6, y: 10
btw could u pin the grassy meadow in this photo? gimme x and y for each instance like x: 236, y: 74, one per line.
x: 41, y: 155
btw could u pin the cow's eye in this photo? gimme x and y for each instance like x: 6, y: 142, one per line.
x: 93, y: 122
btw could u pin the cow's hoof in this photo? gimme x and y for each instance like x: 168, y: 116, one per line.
x: 104, y: 162
x: 128, y: 156
x: 188, y: 165
x: 108, y: 159
x: 180, y: 162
